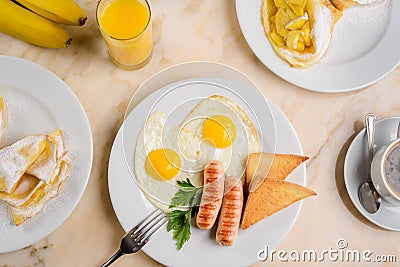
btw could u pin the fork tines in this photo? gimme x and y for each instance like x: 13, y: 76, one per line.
x: 149, y: 226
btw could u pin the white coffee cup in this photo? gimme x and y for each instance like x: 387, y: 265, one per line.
x: 382, y: 183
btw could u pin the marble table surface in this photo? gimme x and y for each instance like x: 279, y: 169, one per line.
x: 192, y: 30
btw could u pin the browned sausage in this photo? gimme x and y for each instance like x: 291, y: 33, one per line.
x: 211, y: 200
x: 231, y: 211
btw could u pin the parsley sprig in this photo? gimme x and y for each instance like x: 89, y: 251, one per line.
x: 185, y: 205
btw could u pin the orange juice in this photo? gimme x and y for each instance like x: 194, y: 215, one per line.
x: 126, y: 29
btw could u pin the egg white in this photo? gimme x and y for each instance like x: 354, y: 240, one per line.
x: 235, y: 156
x: 194, y: 155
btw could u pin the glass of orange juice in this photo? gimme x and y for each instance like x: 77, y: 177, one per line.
x: 126, y: 29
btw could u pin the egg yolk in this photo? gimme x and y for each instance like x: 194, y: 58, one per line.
x: 163, y: 164
x: 220, y: 130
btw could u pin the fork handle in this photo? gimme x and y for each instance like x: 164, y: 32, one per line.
x: 113, y: 258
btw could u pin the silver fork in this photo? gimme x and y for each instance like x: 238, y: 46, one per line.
x: 139, y: 235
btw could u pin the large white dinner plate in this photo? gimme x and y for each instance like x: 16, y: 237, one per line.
x: 356, y: 172
x: 131, y: 206
x: 363, y: 50
x: 39, y: 102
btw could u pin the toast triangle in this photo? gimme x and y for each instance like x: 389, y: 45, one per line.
x: 273, y: 166
x: 270, y: 197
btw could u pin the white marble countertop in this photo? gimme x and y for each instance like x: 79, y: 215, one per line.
x: 204, y: 30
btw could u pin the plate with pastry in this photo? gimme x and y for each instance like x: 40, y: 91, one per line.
x: 191, y: 145
x: 45, y: 152
x: 329, y: 46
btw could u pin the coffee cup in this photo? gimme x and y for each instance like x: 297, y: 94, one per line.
x: 385, y: 172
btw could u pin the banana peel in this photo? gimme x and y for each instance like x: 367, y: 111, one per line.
x: 31, y: 28
x: 59, y: 11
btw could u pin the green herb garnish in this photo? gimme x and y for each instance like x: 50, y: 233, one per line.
x: 187, y: 197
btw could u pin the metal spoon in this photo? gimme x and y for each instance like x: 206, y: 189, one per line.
x: 398, y: 131
x: 369, y: 197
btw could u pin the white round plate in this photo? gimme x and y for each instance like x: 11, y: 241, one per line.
x: 131, y: 206
x: 363, y: 48
x: 39, y: 102
x: 356, y: 172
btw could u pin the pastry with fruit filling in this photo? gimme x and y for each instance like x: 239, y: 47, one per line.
x: 299, y: 30
x: 29, y: 175
x: 41, y: 195
x: 32, y: 171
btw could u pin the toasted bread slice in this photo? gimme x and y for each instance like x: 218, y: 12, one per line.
x: 272, y: 166
x: 270, y: 197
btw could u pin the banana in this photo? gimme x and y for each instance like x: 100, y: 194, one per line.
x: 60, y: 11
x: 31, y: 28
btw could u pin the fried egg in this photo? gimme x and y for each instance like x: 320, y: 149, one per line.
x: 165, y: 154
x: 226, y: 127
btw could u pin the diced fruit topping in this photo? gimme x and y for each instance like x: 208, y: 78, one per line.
x: 290, y: 13
x: 281, y: 20
x: 297, y: 23
x: 290, y: 24
x: 301, y: 3
x: 295, y: 40
x: 306, y: 34
x: 281, y: 3
x: 297, y: 6
x: 272, y: 19
x: 276, y: 37
x: 271, y: 8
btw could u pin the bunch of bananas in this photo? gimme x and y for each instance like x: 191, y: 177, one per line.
x: 35, y: 21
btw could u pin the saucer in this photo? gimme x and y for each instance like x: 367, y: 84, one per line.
x: 356, y: 172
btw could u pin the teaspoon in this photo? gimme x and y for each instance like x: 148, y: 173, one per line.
x: 369, y: 197
x: 398, y: 131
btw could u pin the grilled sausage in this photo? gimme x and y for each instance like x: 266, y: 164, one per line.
x: 213, y: 191
x: 231, y: 211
